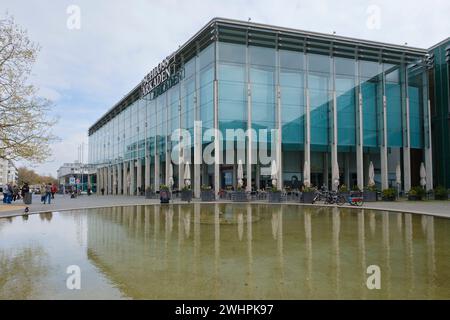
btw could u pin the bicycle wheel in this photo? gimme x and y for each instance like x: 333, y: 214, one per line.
x: 316, y: 198
x: 340, y: 200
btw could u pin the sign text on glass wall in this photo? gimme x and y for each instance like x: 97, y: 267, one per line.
x: 161, y: 78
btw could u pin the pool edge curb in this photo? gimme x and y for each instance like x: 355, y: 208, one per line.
x: 439, y: 215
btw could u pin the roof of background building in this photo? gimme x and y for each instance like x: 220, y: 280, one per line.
x: 439, y: 43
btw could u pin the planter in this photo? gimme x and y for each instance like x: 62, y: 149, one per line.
x: 207, y: 195
x: 186, y: 195
x: 414, y: 198
x: 370, y: 196
x: 388, y: 198
x: 164, y: 196
x: 307, y: 197
x: 239, y: 196
x: 274, y: 196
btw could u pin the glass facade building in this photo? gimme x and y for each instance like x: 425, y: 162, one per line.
x: 439, y: 80
x: 339, y: 104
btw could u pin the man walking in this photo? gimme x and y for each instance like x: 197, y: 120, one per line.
x: 48, y: 193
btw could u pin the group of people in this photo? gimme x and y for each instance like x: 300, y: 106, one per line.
x: 47, y: 192
x: 12, y: 193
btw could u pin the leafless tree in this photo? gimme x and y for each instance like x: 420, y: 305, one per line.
x: 25, y: 122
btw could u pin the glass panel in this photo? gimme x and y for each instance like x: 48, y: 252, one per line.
x: 291, y: 60
x: 292, y: 99
x: 318, y: 82
x: 345, y: 100
x: 415, y: 94
x: 206, y: 57
x: 232, y: 87
x: 262, y: 78
x: 371, y: 92
x: 393, y: 105
x: 234, y: 53
x: 261, y: 56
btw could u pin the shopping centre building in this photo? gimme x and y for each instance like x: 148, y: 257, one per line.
x: 330, y: 106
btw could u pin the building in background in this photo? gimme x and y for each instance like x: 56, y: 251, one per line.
x: 76, y: 176
x: 8, y: 172
x: 440, y: 110
x: 340, y: 103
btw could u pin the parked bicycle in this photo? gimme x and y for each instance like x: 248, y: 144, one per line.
x: 333, y: 197
x: 320, y: 195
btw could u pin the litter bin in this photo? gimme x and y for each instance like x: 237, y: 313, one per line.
x: 27, y: 198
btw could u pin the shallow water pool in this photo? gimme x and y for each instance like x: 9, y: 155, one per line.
x: 225, y: 251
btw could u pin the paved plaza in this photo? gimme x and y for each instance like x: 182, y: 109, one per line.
x: 64, y: 202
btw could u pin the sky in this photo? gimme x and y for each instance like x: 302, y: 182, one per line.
x: 94, y: 52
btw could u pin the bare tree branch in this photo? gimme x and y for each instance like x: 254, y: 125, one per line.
x: 25, y: 125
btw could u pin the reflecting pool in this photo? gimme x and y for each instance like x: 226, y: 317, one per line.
x: 225, y: 251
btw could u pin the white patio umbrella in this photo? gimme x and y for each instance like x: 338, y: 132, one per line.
x: 398, y: 174
x: 423, y: 175
x: 274, y: 172
x: 187, y: 174
x: 306, y: 181
x: 336, y: 174
x: 398, y: 177
x: 170, y: 173
x: 240, y: 173
x: 371, y: 174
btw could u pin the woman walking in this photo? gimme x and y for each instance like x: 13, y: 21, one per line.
x: 42, y: 192
x: 54, y: 189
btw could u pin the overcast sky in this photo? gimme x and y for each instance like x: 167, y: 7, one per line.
x: 85, y: 71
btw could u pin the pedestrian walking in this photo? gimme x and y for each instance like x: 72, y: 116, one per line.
x: 15, y: 193
x: 48, y: 193
x: 42, y: 192
x: 10, y: 192
x: 54, y: 189
x: 6, y: 193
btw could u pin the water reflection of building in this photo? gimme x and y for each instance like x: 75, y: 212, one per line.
x: 261, y: 251
x: 178, y: 239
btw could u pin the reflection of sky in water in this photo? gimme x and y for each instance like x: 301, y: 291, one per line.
x: 55, y: 241
x: 225, y: 251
